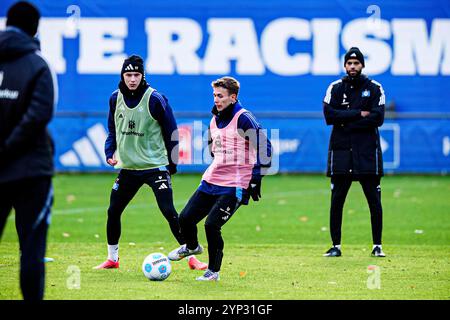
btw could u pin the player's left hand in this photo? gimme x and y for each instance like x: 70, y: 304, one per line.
x: 255, y: 188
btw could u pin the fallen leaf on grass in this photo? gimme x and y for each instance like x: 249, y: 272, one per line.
x: 70, y: 198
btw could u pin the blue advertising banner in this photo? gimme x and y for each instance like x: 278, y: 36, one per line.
x: 300, y: 145
x: 285, y: 53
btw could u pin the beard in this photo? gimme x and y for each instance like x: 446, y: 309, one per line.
x: 356, y: 76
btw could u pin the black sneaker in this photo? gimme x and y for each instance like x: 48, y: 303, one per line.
x: 377, y: 252
x: 333, y: 252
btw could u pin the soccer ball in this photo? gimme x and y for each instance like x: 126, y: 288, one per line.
x: 156, y: 267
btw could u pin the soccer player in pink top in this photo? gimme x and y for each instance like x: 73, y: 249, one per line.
x: 240, y: 151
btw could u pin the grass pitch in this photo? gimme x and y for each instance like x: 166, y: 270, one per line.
x: 273, y: 248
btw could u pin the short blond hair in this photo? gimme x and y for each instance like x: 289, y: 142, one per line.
x: 229, y: 83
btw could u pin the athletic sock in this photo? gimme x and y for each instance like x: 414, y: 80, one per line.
x: 337, y: 246
x: 113, y: 252
x: 376, y: 245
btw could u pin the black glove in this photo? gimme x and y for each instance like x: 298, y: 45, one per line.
x: 172, y: 168
x: 255, y: 188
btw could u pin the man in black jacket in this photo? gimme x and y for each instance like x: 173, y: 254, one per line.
x: 27, y: 99
x: 354, y: 105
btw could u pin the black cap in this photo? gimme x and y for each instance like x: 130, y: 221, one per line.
x: 354, y: 53
x: 133, y: 63
x: 25, y: 16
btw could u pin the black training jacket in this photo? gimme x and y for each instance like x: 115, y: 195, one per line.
x: 354, y: 147
x: 27, y: 99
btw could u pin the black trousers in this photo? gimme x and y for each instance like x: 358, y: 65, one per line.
x: 32, y: 200
x: 340, y: 186
x: 218, y: 209
x: 125, y: 188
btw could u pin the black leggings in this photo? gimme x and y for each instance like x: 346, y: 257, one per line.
x: 372, y: 190
x: 218, y: 209
x: 32, y: 200
x: 125, y: 188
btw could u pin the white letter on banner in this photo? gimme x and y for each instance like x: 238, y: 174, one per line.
x: 326, y: 38
x: 94, y: 45
x: 415, y: 52
x: 52, y: 31
x: 172, y: 46
x: 274, y: 41
x: 232, y: 39
x: 377, y: 52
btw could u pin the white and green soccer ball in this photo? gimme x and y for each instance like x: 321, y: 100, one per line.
x: 156, y: 267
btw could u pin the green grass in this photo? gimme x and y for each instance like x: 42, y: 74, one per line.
x: 273, y: 248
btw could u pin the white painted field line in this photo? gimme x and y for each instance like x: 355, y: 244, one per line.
x: 180, y: 202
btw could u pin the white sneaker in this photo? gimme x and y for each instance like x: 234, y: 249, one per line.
x: 377, y: 252
x: 209, y: 276
x: 183, y: 252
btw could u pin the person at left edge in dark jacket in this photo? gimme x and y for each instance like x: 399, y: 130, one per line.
x: 28, y: 94
x: 143, y: 143
x: 354, y: 106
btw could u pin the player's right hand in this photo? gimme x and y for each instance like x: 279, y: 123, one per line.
x: 112, y: 162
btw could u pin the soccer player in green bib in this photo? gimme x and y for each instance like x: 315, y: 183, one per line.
x: 143, y: 143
